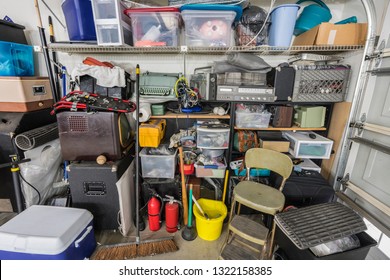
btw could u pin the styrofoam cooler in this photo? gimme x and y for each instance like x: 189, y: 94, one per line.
x: 48, y: 233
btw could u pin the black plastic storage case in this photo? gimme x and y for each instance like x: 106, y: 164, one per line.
x: 88, y: 84
x: 299, y: 229
x: 307, y: 188
x: 93, y: 187
x: 12, y: 32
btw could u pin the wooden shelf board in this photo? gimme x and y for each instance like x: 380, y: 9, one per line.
x: 283, y: 128
x: 170, y: 115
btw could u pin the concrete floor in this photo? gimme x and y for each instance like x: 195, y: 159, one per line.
x: 197, y: 249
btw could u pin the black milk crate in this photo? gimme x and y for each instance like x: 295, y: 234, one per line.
x: 320, y: 83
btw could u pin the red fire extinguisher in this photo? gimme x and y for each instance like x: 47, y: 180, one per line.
x: 154, y: 211
x: 172, y: 210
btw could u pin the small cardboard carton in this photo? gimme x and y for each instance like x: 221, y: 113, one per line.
x: 333, y: 34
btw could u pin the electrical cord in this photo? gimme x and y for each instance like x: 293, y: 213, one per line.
x: 39, y: 194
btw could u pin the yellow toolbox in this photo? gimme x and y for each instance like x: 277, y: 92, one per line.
x: 152, y: 132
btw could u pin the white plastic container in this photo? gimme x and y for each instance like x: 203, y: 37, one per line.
x: 113, y: 27
x: 208, y: 28
x: 252, y: 120
x: 155, y: 26
x: 158, y: 165
x: 307, y: 164
x: 47, y: 233
x: 303, y: 146
x: 212, y: 138
x: 210, y: 171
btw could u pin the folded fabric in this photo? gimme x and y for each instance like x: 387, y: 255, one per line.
x: 105, y: 76
x: 248, y: 61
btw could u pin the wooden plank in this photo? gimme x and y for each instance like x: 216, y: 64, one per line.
x: 170, y: 115
x: 336, y: 129
x: 293, y: 128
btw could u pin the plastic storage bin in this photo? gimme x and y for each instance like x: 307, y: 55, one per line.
x: 209, y: 25
x: 252, y: 120
x: 155, y: 26
x: 212, y: 138
x: 303, y: 146
x: 79, y: 20
x: 48, y: 233
x: 210, y: 171
x: 156, y: 164
x: 16, y: 59
x: 113, y: 27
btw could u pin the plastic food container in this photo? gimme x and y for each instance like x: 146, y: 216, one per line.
x: 210, y: 171
x: 209, y: 25
x: 155, y: 26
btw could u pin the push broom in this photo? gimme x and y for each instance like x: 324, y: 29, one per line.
x: 138, y: 248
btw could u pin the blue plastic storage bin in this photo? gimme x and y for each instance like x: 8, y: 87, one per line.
x: 16, y: 59
x: 79, y: 20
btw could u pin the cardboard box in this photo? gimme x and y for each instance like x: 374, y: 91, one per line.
x: 276, y: 145
x: 333, y: 34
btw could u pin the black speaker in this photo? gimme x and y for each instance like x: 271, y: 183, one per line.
x: 282, y: 116
x: 93, y: 187
x: 14, y: 124
x: 85, y: 136
x: 281, y: 78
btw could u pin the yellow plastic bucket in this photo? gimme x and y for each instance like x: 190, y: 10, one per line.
x: 216, y: 210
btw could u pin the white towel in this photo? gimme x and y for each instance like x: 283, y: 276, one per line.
x: 105, y: 76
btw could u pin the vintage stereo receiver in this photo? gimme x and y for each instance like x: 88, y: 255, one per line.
x: 245, y: 93
x: 158, y: 85
x: 206, y: 83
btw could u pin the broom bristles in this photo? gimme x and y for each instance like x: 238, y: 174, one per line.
x: 131, y: 251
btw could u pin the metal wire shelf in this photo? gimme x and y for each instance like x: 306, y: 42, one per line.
x: 261, y: 50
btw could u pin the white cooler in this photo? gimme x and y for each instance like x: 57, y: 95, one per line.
x: 48, y: 232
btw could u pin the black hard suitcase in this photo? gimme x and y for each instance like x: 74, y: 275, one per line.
x: 88, y: 84
x: 307, y: 188
x: 94, y: 187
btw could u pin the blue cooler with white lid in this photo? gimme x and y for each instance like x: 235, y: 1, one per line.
x: 48, y: 233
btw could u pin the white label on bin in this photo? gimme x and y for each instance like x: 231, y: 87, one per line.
x: 332, y: 37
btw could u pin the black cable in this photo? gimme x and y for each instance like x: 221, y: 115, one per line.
x: 39, y: 194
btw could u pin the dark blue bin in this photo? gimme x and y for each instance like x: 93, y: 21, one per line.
x: 79, y: 20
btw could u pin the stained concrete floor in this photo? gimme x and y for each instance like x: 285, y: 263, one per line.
x: 197, y: 249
